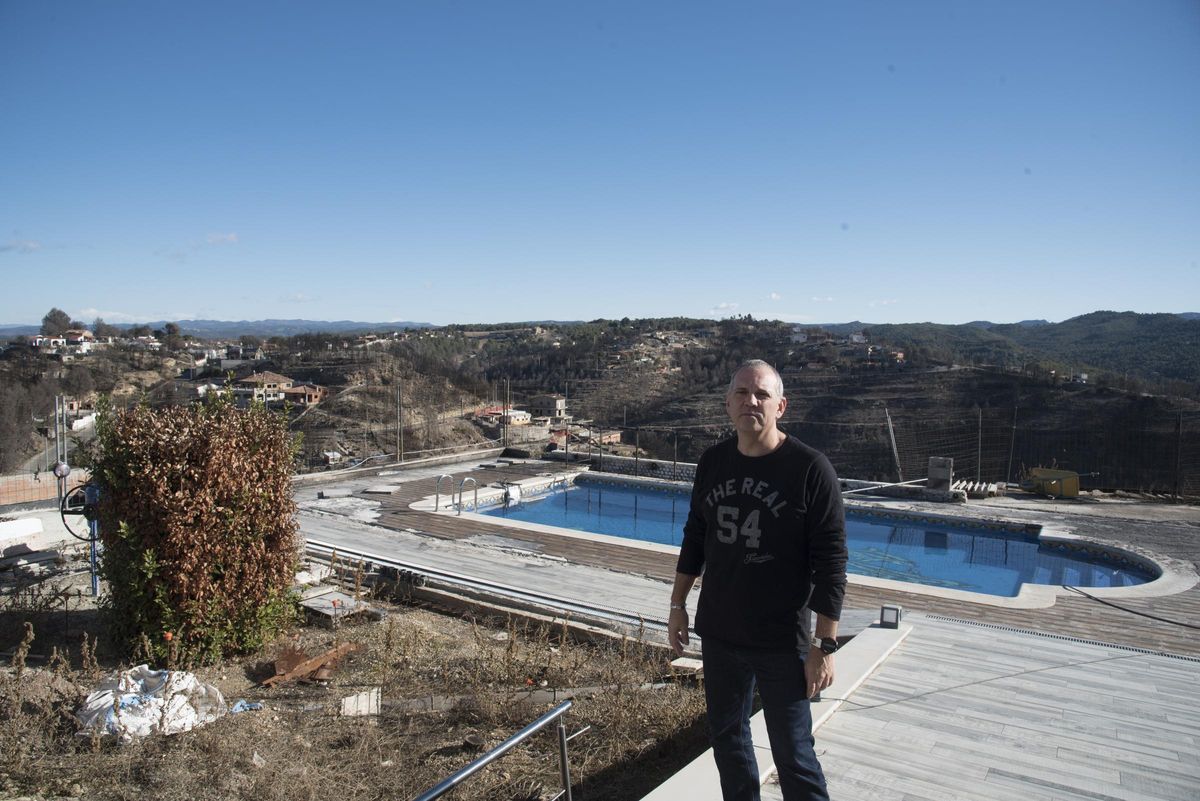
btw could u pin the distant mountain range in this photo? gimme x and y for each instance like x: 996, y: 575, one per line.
x: 225, y: 329
x: 1162, y: 346
x: 1147, y: 345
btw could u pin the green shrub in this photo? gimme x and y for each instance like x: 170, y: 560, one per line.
x: 198, y: 525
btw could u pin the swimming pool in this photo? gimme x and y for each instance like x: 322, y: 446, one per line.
x: 996, y: 562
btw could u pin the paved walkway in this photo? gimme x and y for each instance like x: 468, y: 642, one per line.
x: 961, y: 712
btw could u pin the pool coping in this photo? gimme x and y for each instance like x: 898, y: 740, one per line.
x: 1174, y: 575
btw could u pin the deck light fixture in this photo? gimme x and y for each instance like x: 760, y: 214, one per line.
x: 889, y: 616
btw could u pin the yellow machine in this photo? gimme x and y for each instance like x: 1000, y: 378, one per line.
x: 1055, y: 483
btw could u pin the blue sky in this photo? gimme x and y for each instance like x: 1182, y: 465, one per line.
x: 505, y: 160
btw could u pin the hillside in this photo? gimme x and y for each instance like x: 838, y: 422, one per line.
x: 946, y: 390
x: 1154, y: 347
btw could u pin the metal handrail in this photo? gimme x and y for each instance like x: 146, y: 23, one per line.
x: 461, y: 485
x: 452, y: 781
x: 437, y: 490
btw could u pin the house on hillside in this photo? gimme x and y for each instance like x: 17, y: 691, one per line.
x: 305, y: 394
x: 46, y: 343
x: 145, y: 343
x: 516, y: 417
x: 553, y: 406
x: 246, y: 353
x: 267, y: 386
x: 80, y: 340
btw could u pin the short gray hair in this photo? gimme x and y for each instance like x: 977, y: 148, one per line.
x: 754, y: 364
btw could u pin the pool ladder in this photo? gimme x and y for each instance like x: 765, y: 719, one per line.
x: 462, y: 484
x: 437, y: 490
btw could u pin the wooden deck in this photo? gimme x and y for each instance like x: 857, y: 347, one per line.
x: 1071, y: 616
x: 965, y: 712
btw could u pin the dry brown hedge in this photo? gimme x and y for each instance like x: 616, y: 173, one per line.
x: 198, y: 525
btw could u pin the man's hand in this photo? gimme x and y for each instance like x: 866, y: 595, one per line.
x: 818, y: 670
x: 677, y: 630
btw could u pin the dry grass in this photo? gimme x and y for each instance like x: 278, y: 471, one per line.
x: 442, y: 678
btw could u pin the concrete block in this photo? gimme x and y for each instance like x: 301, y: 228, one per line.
x: 685, y: 664
x: 20, y: 529
x: 941, y: 473
x: 364, y: 703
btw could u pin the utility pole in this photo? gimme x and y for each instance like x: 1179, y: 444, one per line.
x: 979, y: 449
x: 1179, y: 457
x: 675, y: 457
x: 400, y: 415
x: 1012, y: 444
x: 61, y: 469
x: 895, y: 452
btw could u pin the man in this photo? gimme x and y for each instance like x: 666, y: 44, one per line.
x: 767, y: 528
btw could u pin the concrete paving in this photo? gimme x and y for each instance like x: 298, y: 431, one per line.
x: 963, y: 711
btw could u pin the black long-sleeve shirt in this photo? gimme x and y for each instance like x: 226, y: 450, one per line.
x: 769, y: 534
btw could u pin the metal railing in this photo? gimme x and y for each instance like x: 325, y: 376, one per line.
x: 452, y: 781
x: 437, y: 490
x: 461, y: 486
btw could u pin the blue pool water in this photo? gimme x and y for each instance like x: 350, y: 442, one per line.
x: 996, y: 563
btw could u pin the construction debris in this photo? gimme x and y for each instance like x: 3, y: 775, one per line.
x: 294, y: 665
x: 977, y: 489
x: 334, y: 605
x: 364, y: 703
x: 140, y: 701
x: 686, y: 664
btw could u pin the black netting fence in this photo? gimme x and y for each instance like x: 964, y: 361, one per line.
x: 1157, y: 454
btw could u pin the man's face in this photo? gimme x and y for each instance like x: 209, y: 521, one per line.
x: 753, y: 405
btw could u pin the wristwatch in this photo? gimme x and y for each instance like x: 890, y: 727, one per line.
x: 828, y: 645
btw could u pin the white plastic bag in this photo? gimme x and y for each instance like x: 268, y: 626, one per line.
x: 140, y: 701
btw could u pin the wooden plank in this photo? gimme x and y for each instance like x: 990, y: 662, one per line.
x: 1067, y: 731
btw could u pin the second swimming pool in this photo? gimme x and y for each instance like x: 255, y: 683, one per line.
x: 993, y: 562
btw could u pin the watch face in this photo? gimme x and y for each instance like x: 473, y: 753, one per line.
x: 829, y: 645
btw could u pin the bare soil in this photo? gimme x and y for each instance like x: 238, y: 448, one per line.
x: 451, y: 689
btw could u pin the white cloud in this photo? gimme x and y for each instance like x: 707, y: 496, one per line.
x: 887, y: 302
x: 820, y: 299
x: 782, y: 317
x: 723, y: 309
x: 89, y: 314
x: 222, y: 239
x: 297, y: 297
x: 109, y: 316
x: 775, y: 296
x: 20, y: 246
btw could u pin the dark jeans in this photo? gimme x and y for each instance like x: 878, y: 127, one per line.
x: 730, y: 675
